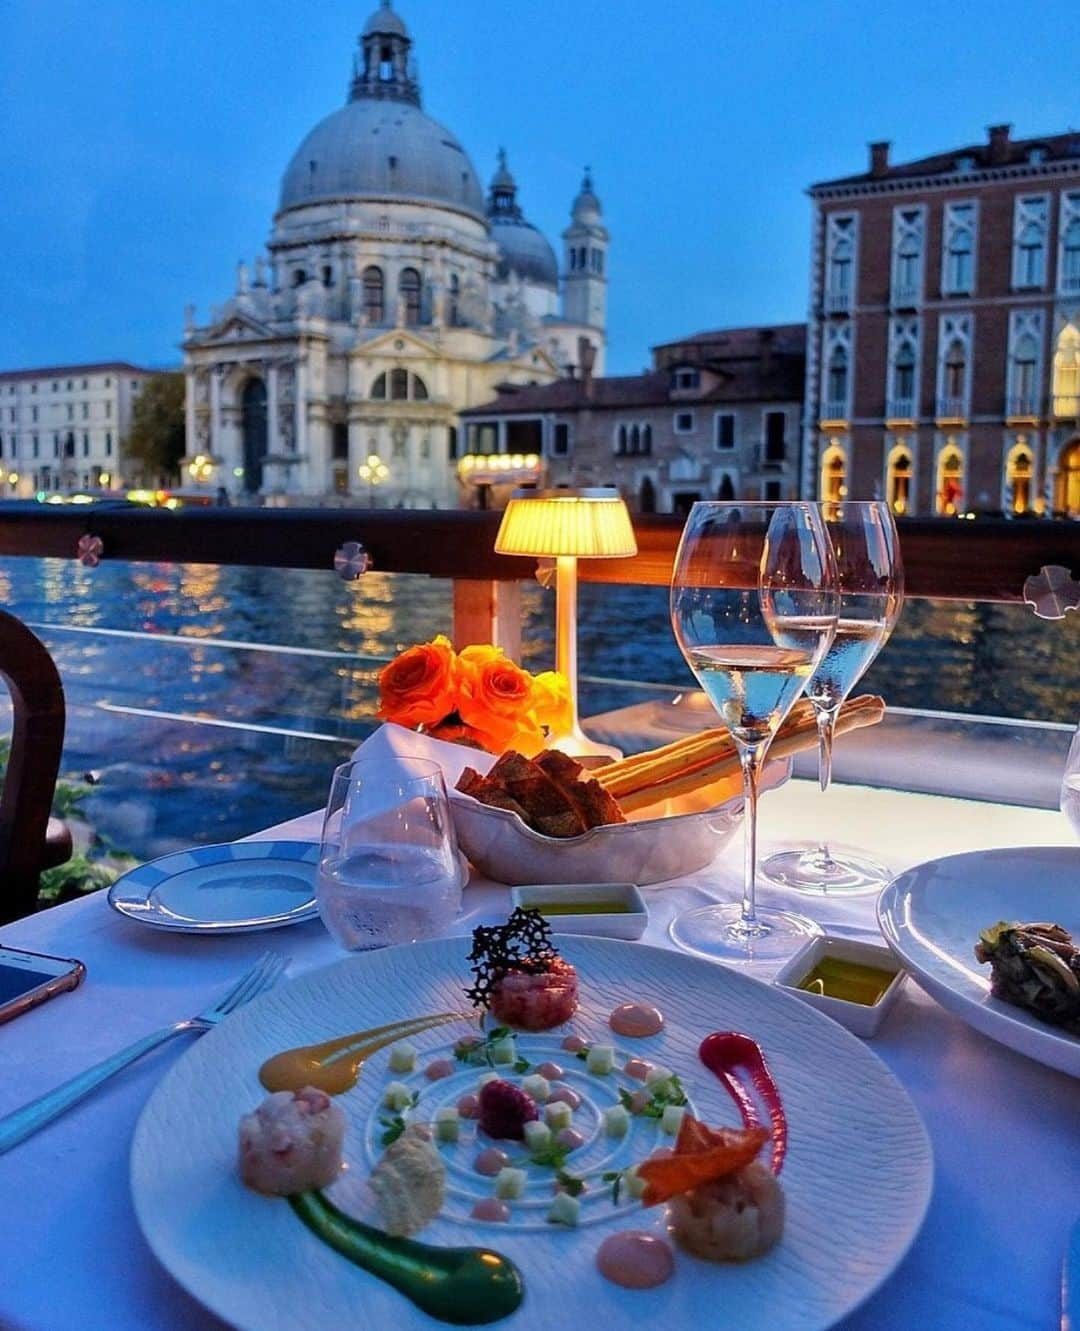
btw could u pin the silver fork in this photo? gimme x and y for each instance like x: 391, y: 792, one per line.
x: 22, y: 1123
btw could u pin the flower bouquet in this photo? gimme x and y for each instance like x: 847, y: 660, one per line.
x: 477, y: 697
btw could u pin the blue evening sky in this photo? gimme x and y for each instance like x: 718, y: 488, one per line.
x: 144, y: 140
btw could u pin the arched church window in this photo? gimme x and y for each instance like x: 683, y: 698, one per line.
x: 378, y: 388
x: 620, y: 442
x: 374, y: 303
x: 955, y: 371
x: 646, y: 439
x: 455, y: 297
x: 635, y: 439
x: 399, y: 385
x: 419, y: 389
x: 409, y: 289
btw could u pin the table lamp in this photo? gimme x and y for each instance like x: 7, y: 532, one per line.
x: 568, y: 525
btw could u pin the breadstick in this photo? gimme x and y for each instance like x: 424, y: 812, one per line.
x: 667, y: 761
x: 798, y: 732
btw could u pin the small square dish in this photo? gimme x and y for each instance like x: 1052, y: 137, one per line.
x: 610, y: 910
x: 854, y: 983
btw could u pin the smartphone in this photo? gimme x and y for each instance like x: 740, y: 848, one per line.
x: 30, y: 978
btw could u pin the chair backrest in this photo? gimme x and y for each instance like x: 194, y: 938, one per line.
x: 37, y: 739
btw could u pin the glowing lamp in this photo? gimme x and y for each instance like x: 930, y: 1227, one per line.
x: 568, y: 525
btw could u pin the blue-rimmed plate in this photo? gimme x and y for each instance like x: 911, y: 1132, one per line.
x: 237, y: 887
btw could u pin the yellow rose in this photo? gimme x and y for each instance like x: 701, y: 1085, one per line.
x: 551, y: 700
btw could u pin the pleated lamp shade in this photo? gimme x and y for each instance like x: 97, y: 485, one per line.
x: 590, y: 524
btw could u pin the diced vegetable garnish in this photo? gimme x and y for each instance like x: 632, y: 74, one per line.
x: 447, y: 1124
x: 510, y: 1184
x: 536, y: 1086
x: 504, y: 1051
x: 616, y: 1121
x: 558, y: 1115
x: 656, y: 1077
x: 484, y: 1078
x: 671, y: 1119
x: 600, y: 1059
x: 403, y: 1057
x: 397, y: 1096
x: 633, y: 1182
x: 564, y: 1210
x: 537, y: 1135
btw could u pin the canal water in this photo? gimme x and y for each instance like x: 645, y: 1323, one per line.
x: 207, y: 702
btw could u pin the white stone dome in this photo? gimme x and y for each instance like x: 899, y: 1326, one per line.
x: 382, y: 150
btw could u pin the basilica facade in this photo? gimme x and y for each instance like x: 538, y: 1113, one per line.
x: 392, y: 296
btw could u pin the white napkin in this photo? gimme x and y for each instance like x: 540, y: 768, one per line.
x: 392, y: 744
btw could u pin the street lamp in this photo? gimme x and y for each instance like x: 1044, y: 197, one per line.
x: 374, y: 471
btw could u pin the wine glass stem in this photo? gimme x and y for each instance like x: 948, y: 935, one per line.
x: 826, y: 727
x: 750, y: 757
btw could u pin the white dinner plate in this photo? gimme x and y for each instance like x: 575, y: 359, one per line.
x: 236, y: 887
x: 932, y: 916
x: 857, y: 1176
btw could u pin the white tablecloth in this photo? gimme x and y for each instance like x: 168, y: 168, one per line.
x: 1005, y: 1130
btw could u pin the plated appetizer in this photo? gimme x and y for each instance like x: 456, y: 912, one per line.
x: 1035, y: 967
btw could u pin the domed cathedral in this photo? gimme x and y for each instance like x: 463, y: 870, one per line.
x: 393, y: 295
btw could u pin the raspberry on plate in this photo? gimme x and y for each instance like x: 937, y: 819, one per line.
x: 505, y: 1109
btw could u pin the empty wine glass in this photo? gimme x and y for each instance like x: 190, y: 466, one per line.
x: 389, y: 866
x: 870, y: 580
x: 753, y: 606
x: 1070, y: 785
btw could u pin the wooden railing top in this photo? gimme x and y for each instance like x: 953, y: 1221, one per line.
x: 983, y: 560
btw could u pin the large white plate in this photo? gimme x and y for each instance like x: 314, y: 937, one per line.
x: 235, y: 887
x: 932, y: 916
x: 858, y: 1172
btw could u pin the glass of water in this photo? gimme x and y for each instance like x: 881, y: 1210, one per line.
x: 1070, y: 786
x: 389, y: 866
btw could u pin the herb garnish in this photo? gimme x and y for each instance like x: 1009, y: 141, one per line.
x: 479, y: 1053
x: 615, y: 1178
x: 394, y: 1125
x: 552, y: 1154
x: 570, y: 1182
x: 664, y: 1093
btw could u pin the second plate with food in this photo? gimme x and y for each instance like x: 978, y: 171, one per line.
x: 932, y: 916
x: 236, y: 887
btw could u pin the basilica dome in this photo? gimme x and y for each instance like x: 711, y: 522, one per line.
x: 380, y: 145
x: 382, y: 150
x: 522, y: 248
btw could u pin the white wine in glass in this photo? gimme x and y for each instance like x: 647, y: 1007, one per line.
x: 753, y: 607
x: 870, y: 579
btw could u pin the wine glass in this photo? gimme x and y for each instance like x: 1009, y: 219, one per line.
x: 870, y: 579
x: 754, y: 607
x: 1070, y: 785
x: 389, y: 866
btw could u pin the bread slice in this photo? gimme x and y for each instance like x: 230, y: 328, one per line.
x: 546, y: 808
x: 596, y: 807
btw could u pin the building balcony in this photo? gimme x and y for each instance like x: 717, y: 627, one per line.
x: 1069, y: 284
x: 1022, y: 407
x: 837, y: 302
x: 904, y: 297
x: 834, y: 413
x: 1066, y: 406
x: 951, y: 411
x: 900, y: 409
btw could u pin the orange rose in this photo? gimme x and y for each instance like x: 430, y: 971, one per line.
x: 419, y: 687
x: 496, y: 698
x: 551, y: 700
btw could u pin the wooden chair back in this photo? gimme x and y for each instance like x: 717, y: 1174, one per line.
x: 37, y: 739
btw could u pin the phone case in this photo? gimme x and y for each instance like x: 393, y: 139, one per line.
x: 59, y: 984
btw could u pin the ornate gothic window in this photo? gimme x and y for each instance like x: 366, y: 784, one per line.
x: 955, y: 371
x: 1019, y: 477
x: 409, y: 290
x: 949, y: 495
x: 1025, y: 339
x: 1029, y: 240
x: 958, y: 250
x: 833, y: 481
x: 1067, y: 484
x: 1067, y: 373
x: 836, y: 390
x: 374, y: 302
x: 907, y: 255
x: 840, y: 262
x: 399, y: 385
x: 898, y: 478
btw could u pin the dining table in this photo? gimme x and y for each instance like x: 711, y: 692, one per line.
x: 1004, y: 1129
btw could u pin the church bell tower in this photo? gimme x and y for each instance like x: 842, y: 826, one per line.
x: 585, y: 243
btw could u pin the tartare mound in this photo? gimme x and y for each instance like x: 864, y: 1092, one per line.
x: 292, y: 1142
x: 409, y: 1182
x: 520, y: 977
x: 536, y: 1002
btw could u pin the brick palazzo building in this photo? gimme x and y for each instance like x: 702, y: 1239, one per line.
x: 718, y: 416
x: 943, y: 352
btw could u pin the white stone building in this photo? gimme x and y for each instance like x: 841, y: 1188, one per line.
x: 393, y: 296
x: 62, y: 427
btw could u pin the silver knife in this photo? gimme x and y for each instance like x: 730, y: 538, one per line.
x: 1070, y: 1282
